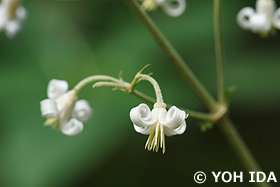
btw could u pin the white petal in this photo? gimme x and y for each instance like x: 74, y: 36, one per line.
x: 56, y: 88
x: 266, y: 7
x: 141, y: 116
x: 12, y: 28
x: 159, y: 1
x: 174, y: 118
x: 72, y: 128
x: 174, y: 7
x: 180, y: 130
x: 260, y: 23
x: 82, y: 111
x: 21, y: 13
x: 3, y: 18
x: 276, y: 19
x: 49, y: 108
x: 244, y: 17
x: 143, y: 130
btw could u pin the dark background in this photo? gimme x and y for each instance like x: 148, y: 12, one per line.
x: 71, y: 40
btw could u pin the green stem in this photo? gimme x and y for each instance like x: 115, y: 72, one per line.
x: 93, y: 78
x: 194, y: 114
x: 173, y: 55
x: 123, y: 86
x: 240, y: 147
x: 218, y: 49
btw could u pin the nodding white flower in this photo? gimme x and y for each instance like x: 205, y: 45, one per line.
x: 158, y: 123
x: 171, y: 7
x: 62, y: 105
x: 263, y: 20
x: 11, y: 17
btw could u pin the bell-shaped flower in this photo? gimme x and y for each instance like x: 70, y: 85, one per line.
x: 11, y: 17
x: 262, y: 20
x: 158, y: 123
x: 171, y: 7
x: 63, y: 105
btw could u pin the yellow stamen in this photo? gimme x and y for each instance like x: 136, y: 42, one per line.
x: 53, y: 123
x: 156, y: 138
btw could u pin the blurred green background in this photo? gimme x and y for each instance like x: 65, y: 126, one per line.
x: 71, y: 40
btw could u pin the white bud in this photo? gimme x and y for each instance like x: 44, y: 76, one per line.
x: 82, y: 111
x: 72, y: 128
x: 174, y: 7
x: 56, y: 88
x: 244, y: 17
x: 276, y: 19
x: 49, y: 108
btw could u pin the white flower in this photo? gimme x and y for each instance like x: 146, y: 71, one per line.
x: 262, y: 20
x: 11, y: 17
x: 62, y: 105
x: 158, y: 123
x: 276, y: 19
x: 171, y: 7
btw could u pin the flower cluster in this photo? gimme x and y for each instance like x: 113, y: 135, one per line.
x: 263, y: 20
x: 11, y: 16
x: 158, y: 123
x: 61, y: 105
x: 171, y: 7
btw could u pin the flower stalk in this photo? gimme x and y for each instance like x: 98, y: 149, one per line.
x: 225, y: 124
x: 218, y: 50
x: 173, y: 55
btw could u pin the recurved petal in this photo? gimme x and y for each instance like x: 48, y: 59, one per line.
x: 158, y: 1
x: 12, y: 28
x: 260, y: 23
x: 21, y: 13
x: 143, y: 130
x: 174, y: 118
x: 180, y: 130
x: 141, y: 116
x: 49, y: 108
x: 56, y: 88
x: 82, y: 111
x: 244, y: 16
x: 276, y: 19
x: 174, y: 7
x: 72, y: 128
